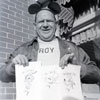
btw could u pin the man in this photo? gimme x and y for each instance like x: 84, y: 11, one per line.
x: 50, y: 50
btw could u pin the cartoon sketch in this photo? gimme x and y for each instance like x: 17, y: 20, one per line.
x: 29, y: 76
x: 48, y: 82
x: 68, y: 81
x: 51, y: 78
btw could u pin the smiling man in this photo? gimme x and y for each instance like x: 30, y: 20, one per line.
x: 45, y: 25
x: 48, y: 43
x: 50, y: 50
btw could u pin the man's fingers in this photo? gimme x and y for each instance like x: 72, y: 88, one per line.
x: 16, y: 60
x: 25, y: 61
x: 64, y: 60
x: 21, y: 60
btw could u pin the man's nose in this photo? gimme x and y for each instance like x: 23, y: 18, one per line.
x: 45, y: 24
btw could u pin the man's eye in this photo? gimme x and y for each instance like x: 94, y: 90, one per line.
x: 40, y: 21
x: 50, y: 21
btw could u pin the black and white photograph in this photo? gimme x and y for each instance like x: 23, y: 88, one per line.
x: 49, y: 49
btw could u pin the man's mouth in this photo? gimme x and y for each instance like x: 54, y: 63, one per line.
x: 45, y: 29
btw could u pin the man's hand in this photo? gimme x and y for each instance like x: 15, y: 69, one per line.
x: 70, y: 58
x: 65, y: 60
x: 19, y: 59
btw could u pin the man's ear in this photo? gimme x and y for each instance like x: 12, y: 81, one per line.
x: 35, y: 32
x: 57, y: 25
x: 57, y: 19
x: 34, y: 25
x: 57, y: 30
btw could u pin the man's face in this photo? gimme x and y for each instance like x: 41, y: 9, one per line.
x: 45, y: 25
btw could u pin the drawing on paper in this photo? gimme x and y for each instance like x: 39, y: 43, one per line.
x: 29, y: 76
x: 51, y: 78
x: 68, y: 81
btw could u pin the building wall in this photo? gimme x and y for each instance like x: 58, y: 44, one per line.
x: 16, y: 27
x: 87, y: 36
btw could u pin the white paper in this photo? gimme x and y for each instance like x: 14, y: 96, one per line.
x: 48, y: 82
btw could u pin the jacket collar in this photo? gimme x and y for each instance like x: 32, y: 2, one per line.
x: 63, y: 45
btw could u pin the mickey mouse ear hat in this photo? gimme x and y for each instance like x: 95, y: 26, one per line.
x: 36, y: 7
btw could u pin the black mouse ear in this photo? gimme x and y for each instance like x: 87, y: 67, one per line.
x: 55, y: 7
x: 34, y: 8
